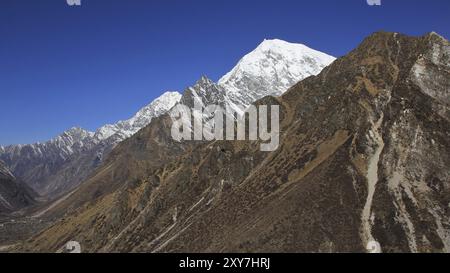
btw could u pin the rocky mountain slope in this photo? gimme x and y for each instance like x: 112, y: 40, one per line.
x: 14, y: 195
x: 59, y: 165
x: 363, y: 156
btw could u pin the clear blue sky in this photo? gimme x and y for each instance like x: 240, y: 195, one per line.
x: 63, y: 66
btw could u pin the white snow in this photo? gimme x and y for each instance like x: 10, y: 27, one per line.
x: 127, y: 128
x: 271, y: 69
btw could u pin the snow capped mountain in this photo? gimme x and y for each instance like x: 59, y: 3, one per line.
x: 73, y: 139
x: 37, y: 163
x: 127, y: 128
x: 271, y: 69
x: 76, y: 139
x: 62, y: 146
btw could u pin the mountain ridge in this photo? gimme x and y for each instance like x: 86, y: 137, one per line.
x: 79, y: 151
x: 35, y: 163
x: 363, y: 156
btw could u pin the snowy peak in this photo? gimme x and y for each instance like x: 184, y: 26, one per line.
x: 272, y: 68
x: 155, y: 109
x: 160, y: 105
x: 126, y: 128
x: 66, y: 144
x: 205, y: 87
x: 205, y: 92
x: 279, y: 58
x: 204, y: 81
x: 74, y: 135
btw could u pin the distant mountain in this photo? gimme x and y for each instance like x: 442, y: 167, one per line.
x: 59, y: 165
x: 14, y: 195
x: 127, y: 128
x: 363, y: 158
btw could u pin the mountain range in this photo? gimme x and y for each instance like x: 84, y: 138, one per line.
x: 363, y: 158
x: 59, y: 165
